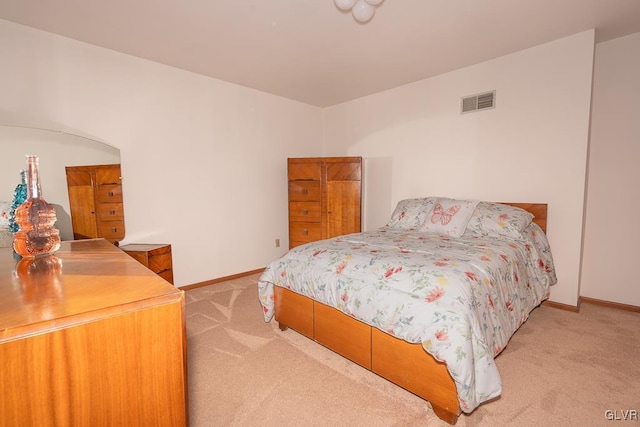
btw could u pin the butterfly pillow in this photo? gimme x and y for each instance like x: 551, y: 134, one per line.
x: 449, y: 216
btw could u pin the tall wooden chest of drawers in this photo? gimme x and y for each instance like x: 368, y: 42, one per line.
x: 325, y: 198
x: 95, y: 200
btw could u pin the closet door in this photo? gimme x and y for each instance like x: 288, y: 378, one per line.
x: 82, y: 203
x: 343, y: 195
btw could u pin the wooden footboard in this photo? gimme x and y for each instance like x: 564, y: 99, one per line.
x: 407, y: 365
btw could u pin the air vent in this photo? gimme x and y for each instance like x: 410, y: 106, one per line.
x: 478, y: 102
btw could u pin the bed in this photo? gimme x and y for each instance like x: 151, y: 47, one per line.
x: 427, y: 301
x: 6, y: 236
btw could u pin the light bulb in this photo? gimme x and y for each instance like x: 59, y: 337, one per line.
x: 344, y: 4
x: 363, y: 11
x: 373, y: 2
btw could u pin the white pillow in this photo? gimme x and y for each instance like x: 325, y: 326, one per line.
x: 498, y: 220
x: 449, y: 216
x: 410, y: 214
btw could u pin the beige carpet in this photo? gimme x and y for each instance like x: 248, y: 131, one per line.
x: 560, y: 368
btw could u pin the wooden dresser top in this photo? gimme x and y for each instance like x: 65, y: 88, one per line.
x: 83, y: 281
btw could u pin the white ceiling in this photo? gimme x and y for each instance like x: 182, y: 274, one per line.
x: 309, y: 50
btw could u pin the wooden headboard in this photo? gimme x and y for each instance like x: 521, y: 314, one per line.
x: 539, y: 211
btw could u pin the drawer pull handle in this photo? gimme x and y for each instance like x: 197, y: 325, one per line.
x: 305, y: 191
x: 114, y: 230
x: 305, y: 212
x: 112, y: 212
x: 111, y: 194
x: 305, y: 232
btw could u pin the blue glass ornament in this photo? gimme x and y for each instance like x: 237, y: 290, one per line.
x: 19, y: 196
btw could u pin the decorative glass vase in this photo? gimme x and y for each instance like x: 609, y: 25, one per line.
x: 35, y: 218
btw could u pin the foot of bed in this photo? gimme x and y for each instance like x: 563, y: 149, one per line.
x: 282, y: 326
x: 445, y: 415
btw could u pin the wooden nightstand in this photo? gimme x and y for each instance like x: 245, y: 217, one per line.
x: 156, y: 257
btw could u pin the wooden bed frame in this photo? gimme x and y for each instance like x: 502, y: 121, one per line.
x: 406, y: 365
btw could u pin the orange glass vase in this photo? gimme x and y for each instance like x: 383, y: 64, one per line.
x: 35, y: 218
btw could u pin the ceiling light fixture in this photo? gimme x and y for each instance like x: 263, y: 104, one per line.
x: 362, y: 10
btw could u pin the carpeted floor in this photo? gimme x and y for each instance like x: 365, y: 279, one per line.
x: 560, y: 368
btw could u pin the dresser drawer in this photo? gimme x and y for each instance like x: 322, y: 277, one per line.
x: 304, y: 191
x: 166, y: 275
x: 304, y: 231
x: 156, y: 257
x: 111, y: 212
x: 304, y: 211
x: 304, y: 171
x: 160, y: 262
x: 109, y: 193
x: 112, y: 230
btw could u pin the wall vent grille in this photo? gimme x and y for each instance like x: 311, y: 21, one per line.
x: 482, y: 101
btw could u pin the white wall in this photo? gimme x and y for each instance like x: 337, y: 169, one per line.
x: 203, y: 161
x: 531, y: 148
x: 612, y: 229
x: 58, y: 150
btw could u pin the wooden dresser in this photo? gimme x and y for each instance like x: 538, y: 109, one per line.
x: 156, y: 258
x: 325, y: 197
x: 95, y: 201
x: 90, y: 337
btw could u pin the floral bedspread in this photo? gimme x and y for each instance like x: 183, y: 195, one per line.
x: 461, y: 298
